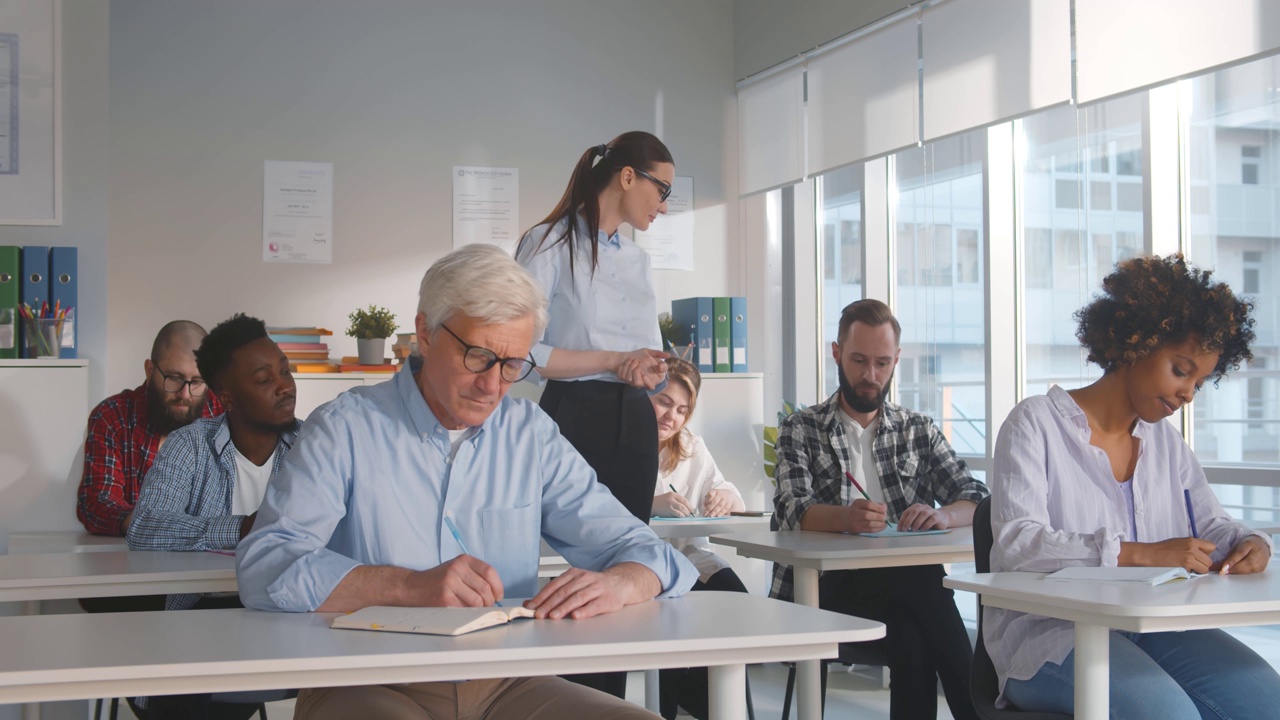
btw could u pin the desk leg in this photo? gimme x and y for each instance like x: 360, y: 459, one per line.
x: 808, y: 679
x: 727, y: 692
x: 651, y: 691
x: 1092, y: 670
x: 31, y: 711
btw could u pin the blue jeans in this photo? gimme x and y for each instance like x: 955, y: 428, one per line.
x: 1165, y: 676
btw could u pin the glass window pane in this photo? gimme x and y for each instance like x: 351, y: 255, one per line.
x: 1071, y: 245
x: 940, y: 298
x: 840, y: 200
x: 1235, y: 230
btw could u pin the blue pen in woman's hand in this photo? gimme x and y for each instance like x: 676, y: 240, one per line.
x: 1191, y: 514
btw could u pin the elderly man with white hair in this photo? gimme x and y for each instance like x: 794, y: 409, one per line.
x: 355, y: 517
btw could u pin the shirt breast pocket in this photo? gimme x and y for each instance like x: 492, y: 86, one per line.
x: 909, y: 467
x: 508, y: 535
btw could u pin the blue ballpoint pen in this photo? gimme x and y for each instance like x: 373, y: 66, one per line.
x: 448, y: 521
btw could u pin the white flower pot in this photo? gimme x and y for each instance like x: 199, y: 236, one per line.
x: 371, y: 351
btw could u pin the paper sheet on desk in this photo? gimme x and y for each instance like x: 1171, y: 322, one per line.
x: 699, y: 518
x: 893, y: 531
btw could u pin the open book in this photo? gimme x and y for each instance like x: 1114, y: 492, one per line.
x: 429, y: 620
x: 1123, y: 575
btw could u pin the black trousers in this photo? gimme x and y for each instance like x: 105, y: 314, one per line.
x: 687, y: 687
x: 924, y: 635
x: 614, y: 428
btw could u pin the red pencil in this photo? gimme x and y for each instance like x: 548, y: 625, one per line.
x: 855, y: 484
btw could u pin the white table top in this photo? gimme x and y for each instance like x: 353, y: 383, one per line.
x: 838, y: 551
x: 65, y: 657
x: 1206, y: 602
x: 701, y: 526
x: 111, y: 574
x: 54, y: 541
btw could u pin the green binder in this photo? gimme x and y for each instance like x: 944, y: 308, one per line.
x: 720, y: 332
x: 10, y: 292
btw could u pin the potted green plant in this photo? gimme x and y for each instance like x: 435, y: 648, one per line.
x: 371, y: 327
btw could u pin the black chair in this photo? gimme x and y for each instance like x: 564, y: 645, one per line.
x: 863, y: 653
x: 984, y: 684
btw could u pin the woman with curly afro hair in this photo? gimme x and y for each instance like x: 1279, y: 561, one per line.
x: 1093, y: 477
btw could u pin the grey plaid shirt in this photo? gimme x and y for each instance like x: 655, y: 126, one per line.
x: 915, y: 462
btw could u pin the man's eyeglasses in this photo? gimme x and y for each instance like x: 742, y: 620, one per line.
x: 663, y: 188
x: 478, y: 360
x: 173, y: 384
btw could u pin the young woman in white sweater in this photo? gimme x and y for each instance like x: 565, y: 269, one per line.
x: 689, y: 484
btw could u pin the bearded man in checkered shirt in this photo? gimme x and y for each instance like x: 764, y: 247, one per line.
x: 913, y: 478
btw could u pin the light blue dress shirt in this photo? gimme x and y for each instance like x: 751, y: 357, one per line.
x: 369, y: 481
x: 614, y: 309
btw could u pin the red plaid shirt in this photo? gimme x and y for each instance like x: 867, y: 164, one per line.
x: 118, y: 451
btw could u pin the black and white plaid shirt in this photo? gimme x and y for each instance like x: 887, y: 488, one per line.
x: 915, y: 462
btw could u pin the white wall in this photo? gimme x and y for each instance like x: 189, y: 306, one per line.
x: 84, y: 175
x: 394, y: 94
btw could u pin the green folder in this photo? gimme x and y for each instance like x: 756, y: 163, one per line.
x: 10, y: 292
x: 720, y: 333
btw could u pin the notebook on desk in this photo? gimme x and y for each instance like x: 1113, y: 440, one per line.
x: 429, y: 620
x: 1123, y: 575
x: 891, y: 530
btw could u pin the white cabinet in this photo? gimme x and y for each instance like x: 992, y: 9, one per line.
x: 316, y: 389
x: 44, y: 408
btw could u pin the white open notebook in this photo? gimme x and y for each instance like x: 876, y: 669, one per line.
x: 429, y: 620
x: 1123, y: 575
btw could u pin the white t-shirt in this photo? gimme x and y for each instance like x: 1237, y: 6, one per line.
x: 693, y: 478
x: 862, y: 458
x: 251, y: 484
x: 457, y: 437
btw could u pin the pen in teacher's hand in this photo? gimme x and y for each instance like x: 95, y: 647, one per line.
x: 1191, y: 514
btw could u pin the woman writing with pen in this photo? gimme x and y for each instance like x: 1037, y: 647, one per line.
x: 1094, y: 477
x: 690, y: 484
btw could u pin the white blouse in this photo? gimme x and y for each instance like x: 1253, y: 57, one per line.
x: 693, y: 478
x: 1055, y: 503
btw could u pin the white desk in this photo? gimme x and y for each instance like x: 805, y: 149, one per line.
x: 1214, y: 601
x: 112, y: 574
x: 701, y: 526
x: 67, y: 657
x: 810, y: 553
x: 63, y: 541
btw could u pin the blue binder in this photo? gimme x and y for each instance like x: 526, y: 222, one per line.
x: 63, y: 278
x: 738, y: 333
x: 35, y: 280
x: 693, y: 316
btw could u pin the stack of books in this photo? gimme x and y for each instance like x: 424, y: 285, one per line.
x: 303, y: 347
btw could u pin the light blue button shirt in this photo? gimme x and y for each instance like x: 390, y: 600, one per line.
x: 614, y: 309
x: 369, y: 481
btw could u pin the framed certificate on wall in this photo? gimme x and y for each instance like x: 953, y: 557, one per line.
x: 31, y: 112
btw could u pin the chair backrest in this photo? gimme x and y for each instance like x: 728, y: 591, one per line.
x: 984, y: 683
x: 982, y: 537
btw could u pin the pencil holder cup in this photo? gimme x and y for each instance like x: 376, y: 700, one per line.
x: 684, y: 352
x: 42, y: 336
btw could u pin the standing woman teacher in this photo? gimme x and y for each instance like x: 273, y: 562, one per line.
x: 600, y: 352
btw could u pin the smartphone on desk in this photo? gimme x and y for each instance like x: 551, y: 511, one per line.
x: 753, y: 513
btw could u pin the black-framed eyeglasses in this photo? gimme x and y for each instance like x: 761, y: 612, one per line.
x: 479, y: 359
x: 173, y: 384
x: 663, y: 188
